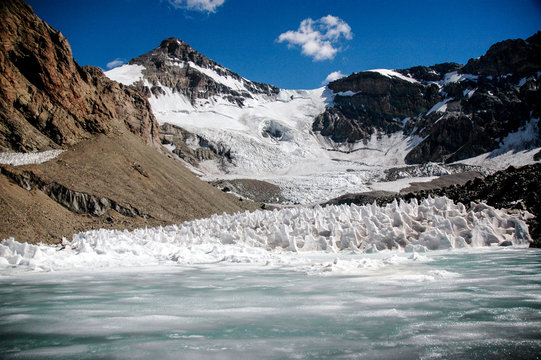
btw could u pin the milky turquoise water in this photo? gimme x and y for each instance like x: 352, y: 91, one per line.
x: 469, y: 304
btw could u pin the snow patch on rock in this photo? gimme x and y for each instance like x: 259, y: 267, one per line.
x: 17, y: 159
x: 455, y: 76
x: 517, y: 149
x: 395, y: 74
x: 440, y: 107
x: 126, y: 74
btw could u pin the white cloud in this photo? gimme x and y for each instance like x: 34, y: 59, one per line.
x: 335, y: 75
x: 319, y: 38
x: 197, y: 5
x: 113, y: 64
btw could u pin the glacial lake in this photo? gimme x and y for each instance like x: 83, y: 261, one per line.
x: 482, y: 303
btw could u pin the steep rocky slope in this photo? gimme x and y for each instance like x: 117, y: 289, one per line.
x: 113, y: 173
x: 373, y: 101
x: 459, y: 111
x: 47, y: 100
x: 111, y: 181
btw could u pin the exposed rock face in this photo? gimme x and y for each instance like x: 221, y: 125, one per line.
x: 181, y: 139
x: 177, y: 66
x: 460, y: 111
x: 47, y: 100
x: 76, y: 201
x: 378, y: 104
x: 518, y: 57
x: 255, y: 190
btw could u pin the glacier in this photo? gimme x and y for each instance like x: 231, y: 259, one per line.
x: 309, y: 168
x: 269, y: 137
x: 280, y: 236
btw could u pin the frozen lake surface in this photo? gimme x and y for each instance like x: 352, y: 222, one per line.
x: 482, y: 303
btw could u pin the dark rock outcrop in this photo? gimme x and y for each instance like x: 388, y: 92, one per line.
x: 47, y: 100
x: 518, y: 57
x: 179, y: 138
x: 459, y: 111
x: 256, y: 190
x: 378, y: 104
x: 76, y: 201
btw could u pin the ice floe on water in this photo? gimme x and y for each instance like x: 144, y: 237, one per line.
x: 278, y: 237
x: 17, y: 159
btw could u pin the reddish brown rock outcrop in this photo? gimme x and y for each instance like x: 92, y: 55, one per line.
x: 47, y: 100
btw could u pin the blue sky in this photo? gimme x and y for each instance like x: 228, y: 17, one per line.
x: 263, y: 40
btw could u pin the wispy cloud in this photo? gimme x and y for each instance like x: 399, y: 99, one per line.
x: 113, y: 64
x: 320, y: 38
x: 197, y: 5
x: 335, y: 75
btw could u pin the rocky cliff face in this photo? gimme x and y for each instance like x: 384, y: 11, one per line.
x: 518, y: 57
x: 47, y: 100
x: 177, y: 66
x: 180, y: 140
x: 369, y: 102
x: 459, y: 111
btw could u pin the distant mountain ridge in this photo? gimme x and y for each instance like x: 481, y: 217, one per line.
x: 459, y: 111
x: 208, y: 112
x: 342, y: 137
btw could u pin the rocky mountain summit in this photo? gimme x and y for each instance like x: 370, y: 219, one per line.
x: 176, y: 65
x: 459, y: 110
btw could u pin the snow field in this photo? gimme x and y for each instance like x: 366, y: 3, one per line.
x: 126, y: 74
x: 287, y: 237
x: 17, y: 159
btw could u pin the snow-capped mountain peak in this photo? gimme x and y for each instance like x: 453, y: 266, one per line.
x: 175, y: 66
